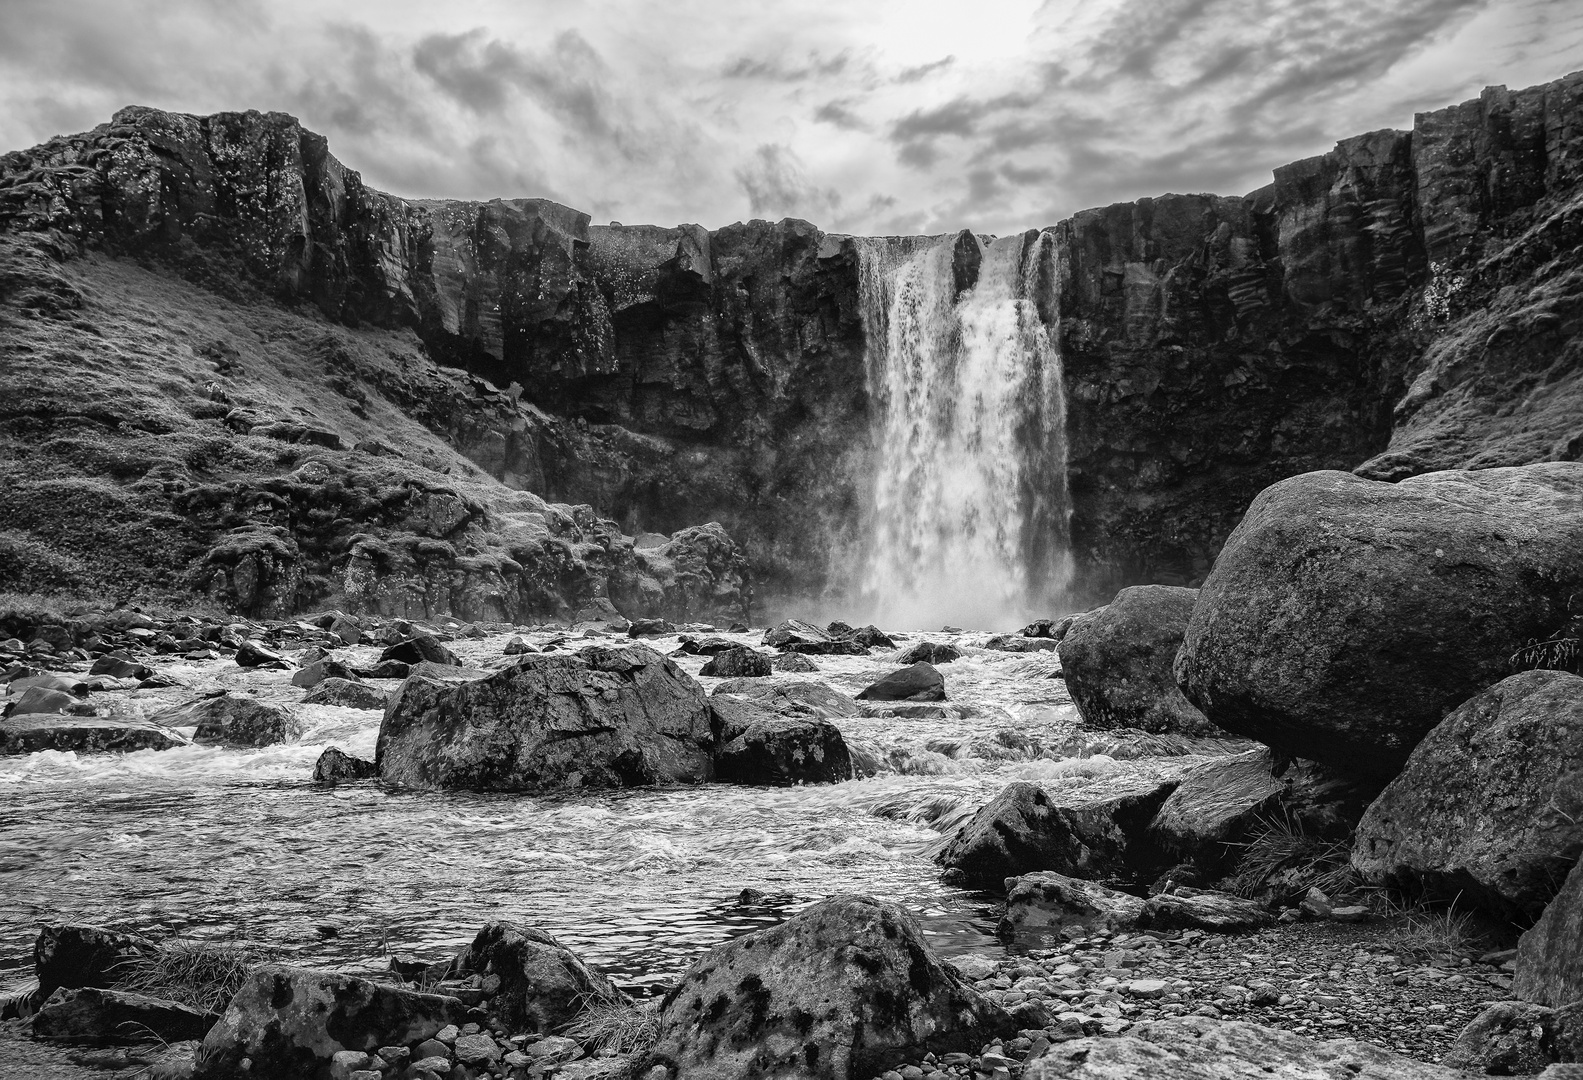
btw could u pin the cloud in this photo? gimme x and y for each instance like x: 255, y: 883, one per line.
x: 777, y: 187
x: 920, y: 72
x: 777, y: 69
x: 837, y: 113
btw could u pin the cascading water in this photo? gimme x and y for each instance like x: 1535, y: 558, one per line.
x: 970, y: 516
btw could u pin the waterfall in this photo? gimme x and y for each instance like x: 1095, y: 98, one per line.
x: 969, y: 522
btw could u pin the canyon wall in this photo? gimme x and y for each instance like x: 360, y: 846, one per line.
x: 1407, y: 302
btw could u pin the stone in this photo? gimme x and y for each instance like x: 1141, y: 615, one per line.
x: 75, y: 955
x: 233, y: 718
x: 1550, y: 955
x: 1199, y: 1048
x: 739, y: 662
x: 791, y: 696
x: 1509, y: 1038
x: 1216, y: 803
x: 1196, y: 909
x: 650, y: 628
x: 929, y: 652
x: 603, y: 717
x: 793, y: 662
x: 916, y: 682
x: 842, y: 990
x: 346, y: 695
x: 1119, y: 660
x: 95, y: 1015
x: 1345, y: 617
x: 31, y: 733
x: 552, y: 1049
x: 871, y: 637
x: 335, y: 765
x: 1040, y: 905
x: 781, y: 750
x: 1025, y: 828
x: 543, y: 984
x: 1489, y: 807
x: 315, y: 673
x: 476, y: 1050
x: 385, y: 669
x: 794, y: 632
x: 120, y: 667
x: 41, y: 701
x: 1016, y: 643
x: 251, y: 654
x: 288, y: 1022
x: 517, y: 646
x: 417, y: 649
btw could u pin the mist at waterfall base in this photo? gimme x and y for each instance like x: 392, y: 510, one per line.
x: 969, y: 519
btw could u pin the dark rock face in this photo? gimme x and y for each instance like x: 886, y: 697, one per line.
x: 929, y: 652
x: 111, y: 1016
x: 420, y: 648
x: 543, y: 984
x: 841, y: 991
x: 740, y: 662
x: 605, y: 717
x: 1490, y: 804
x: 335, y: 765
x: 916, y: 682
x: 1118, y: 662
x: 1024, y: 829
x: 1346, y: 617
x: 761, y: 746
x: 31, y: 732
x: 73, y: 955
x: 288, y: 1022
x: 1550, y: 956
x: 1509, y: 1038
x: 1190, y: 1047
x: 1216, y: 803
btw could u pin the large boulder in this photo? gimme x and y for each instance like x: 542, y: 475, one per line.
x: 1026, y: 828
x: 112, y: 1016
x: 916, y: 682
x: 1197, y: 1048
x: 1119, y: 660
x: 335, y: 765
x: 75, y: 955
x: 287, y: 1023
x: 791, y: 696
x: 543, y: 984
x: 1509, y: 1038
x: 603, y: 717
x: 1216, y: 803
x: 418, y: 648
x: 841, y: 991
x: 1550, y: 956
x: 1490, y: 805
x: 929, y: 652
x: 1345, y: 617
x: 233, y: 718
x: 760, y: 746
x: 32, y: 732
x: 345, y: 694
x: 737, y: 662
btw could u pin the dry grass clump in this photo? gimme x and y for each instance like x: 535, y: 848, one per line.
x: 625, y: 1027
x: 1438, y: 931
x: 1280, y: 854
x: 202, y: 974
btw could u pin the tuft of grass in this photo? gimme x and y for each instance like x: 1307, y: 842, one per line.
x: 1559, y: 653
x: 1438, y: 931
x: 202, y: 974
x: 1280, y: 854
x: 625, y: 1027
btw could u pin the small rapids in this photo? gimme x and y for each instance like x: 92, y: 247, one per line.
x: 213, y: 842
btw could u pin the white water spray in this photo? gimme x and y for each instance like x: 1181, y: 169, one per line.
x: 970, y: 513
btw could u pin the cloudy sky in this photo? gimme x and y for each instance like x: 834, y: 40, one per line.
x: 880, y: 116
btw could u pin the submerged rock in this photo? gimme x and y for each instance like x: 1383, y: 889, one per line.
x: 917, y: 682
x: 336, y: 765
x: 117, y: 1016
x: 543, y: 984
x: 346, y: 695
x: 287, y: 1023
x: 233, y: 718
x: 1024, y: 829
x: 841, y: 991
x: 30, y: 733
x: 1345, y: 617
x: 603, y: 717
x: 1490, y: 804
x: 1119, y: 663
x: 1198, y: 1048
x: 738, y: 662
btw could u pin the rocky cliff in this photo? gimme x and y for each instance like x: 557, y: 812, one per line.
x: 1407, y: 302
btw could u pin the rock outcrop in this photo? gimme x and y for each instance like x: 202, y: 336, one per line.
x: 841, y: 991
x: 1346, y: 617
x: 92, y: 1015
x: 1119, y: 662
x: 604, y: 717
x: 1490, y: 804
x: 1550, y: 956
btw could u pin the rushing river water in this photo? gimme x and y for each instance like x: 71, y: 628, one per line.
x: 215, y: 842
